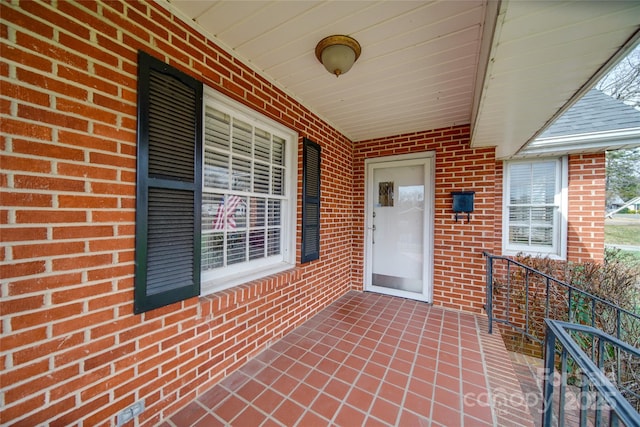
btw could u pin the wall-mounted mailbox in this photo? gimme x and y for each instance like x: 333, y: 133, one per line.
x: 462, y: 203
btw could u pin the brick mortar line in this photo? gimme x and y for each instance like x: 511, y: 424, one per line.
x: 494, y: 368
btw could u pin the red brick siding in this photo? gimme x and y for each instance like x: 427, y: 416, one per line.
x: 585, y: 236
x: 586, y: 198
x: 459, y: 271
x: 585, y: 241
x: 72, y: 350
x: 499, y: 183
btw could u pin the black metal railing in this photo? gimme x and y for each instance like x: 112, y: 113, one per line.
x: 581, y: 388
x: 522, y: 297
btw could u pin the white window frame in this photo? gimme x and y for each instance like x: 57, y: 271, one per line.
x: 558, y: 249
x: 227, y: 277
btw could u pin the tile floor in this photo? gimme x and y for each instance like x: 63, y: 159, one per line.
x: 529, y: 371
x: 371, y: 360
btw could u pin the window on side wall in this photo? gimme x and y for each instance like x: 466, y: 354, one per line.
x: 535, y: 207
x: 248, y: 195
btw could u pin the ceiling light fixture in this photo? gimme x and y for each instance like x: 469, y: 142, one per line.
x: 338, y: 53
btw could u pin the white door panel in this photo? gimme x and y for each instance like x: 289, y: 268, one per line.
x: 399, y: 218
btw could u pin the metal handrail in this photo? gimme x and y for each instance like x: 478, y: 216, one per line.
x: 620, y: 408
x: 548, y: 279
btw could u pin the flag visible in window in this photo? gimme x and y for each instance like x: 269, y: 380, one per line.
x: 226, y: 213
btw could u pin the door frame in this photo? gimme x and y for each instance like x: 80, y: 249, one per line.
x: 427, y: 159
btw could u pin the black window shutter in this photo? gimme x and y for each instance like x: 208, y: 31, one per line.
x: 168, y: 193
x: 310, y: 201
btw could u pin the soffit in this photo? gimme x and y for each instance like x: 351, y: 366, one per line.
x: 416, y: 71
x: 426, y: 65
x: 545, y: 56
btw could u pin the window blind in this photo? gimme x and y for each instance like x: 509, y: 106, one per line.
x: 532, y: 209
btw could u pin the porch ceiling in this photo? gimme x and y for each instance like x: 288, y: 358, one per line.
x: 505, y: 67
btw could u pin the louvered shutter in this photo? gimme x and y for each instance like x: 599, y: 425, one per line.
x: 310, y: 201
x: 168, y: 195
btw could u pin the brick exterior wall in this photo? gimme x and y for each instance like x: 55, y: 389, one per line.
x: 585, y: 234
x: 586, y: 198
x: 72, y: 349
x: 72, y: 352
x: 459, y: 267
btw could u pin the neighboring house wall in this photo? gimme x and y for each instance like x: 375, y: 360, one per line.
x: 71, y: 348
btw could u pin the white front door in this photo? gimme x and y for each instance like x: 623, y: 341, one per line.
x: 399, y: 221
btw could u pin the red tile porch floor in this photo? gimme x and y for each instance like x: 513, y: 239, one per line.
x: 372, y: 360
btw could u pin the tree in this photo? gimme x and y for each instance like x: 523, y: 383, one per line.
x: 622, y: 176
x: 623, y: 82
x: 623, y: 166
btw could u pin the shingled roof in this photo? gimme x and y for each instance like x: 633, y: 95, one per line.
x: 595, y: 112
x: 596, y: 122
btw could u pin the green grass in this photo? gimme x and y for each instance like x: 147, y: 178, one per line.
x: 622, y: 234
x: 633, y: 255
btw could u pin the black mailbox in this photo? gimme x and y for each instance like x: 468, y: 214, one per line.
x: 462, y: 203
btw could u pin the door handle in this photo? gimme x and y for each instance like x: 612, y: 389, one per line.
x: 373, y: 239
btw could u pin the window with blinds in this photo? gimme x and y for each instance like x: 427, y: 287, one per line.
x: 216, y: 190
x: 533, y: 206
x: 246, y: 202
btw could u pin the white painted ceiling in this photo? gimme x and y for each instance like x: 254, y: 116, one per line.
x: 505, y: 67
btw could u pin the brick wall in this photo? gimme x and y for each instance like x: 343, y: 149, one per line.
x: 585, y: 241
x: 586, y: 197
x: 459, y: 272
x: 72, y: 351
x: 459, y: 268
x: 585, y: 236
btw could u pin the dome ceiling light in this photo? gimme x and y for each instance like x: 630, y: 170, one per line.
x: 338, y: 53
